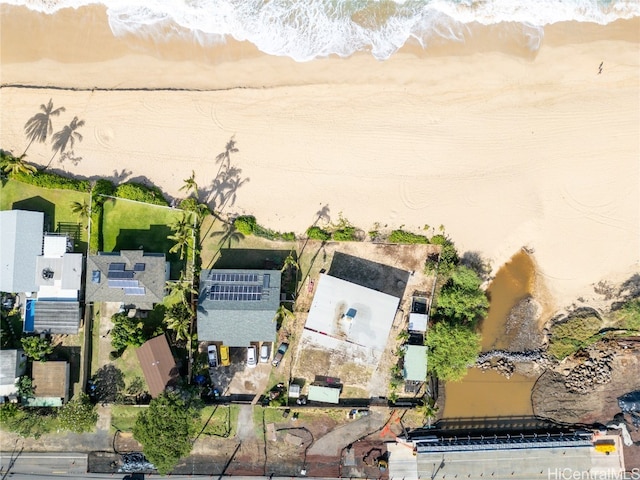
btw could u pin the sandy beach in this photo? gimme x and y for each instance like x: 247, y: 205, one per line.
x: 505, y: 148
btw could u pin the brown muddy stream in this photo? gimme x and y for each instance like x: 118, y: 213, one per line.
x: 489, y: 394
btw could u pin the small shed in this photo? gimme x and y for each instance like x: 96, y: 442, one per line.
x: 50, y: 384
x: 324, y: 394
x: 418, y: 322
x: 294, y: 390
x: 415, y: 363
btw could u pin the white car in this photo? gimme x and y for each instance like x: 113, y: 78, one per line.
x: 252, y: 358
x: 213, y: 356
x: 264, y: 353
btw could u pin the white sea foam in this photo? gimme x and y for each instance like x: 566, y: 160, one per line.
x: 307, y: 29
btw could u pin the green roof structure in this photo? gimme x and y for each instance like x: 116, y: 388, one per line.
x: 323, y: 394
x: 237, y: 307
x: 415, y: 363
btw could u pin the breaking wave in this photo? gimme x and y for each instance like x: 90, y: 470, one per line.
x: 308, y: 29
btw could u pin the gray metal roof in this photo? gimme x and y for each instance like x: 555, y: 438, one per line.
x: 242, y: 307
x: 56, y: 317
x: 12, y: 365
x: 21, y: 234
x: 147, y: 281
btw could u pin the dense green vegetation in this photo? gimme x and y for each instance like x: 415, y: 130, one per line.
x: 317, y: 233
x: 37, y: 348
x: 135, y: 331
x: 166, y: 429
x: 402, y: 236
x: 77, y: 415
x: 461, y: 300
x: 141, y: 193
x: 452, y: 349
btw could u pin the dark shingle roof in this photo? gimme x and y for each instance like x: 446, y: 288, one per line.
x: 144, y: 273
x: 158, y: 365
x: 241, y: 308
x: 21, y: 235
x: 56, y: 317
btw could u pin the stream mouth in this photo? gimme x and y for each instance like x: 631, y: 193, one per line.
x: 487, y: 393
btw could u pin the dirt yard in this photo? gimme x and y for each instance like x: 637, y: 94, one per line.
x: 397, y: 270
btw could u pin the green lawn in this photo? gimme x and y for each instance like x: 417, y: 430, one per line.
x: 223, y: 423
x: 123, y: 417
x: 55, y: 204
x: 128, y: 225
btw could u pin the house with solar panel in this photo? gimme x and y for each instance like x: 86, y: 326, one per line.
x: 237, y: 308
x: 133, y: 278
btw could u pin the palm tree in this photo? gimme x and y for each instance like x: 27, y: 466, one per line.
x: 66, y: 136
x: 181, y: 223
x: 16, y: 165
x: 282, y: 314
x: 190, y: 184
x: 178, y: 318
x: 428, y: 409
x: 182, y: 239
x: 81, y: 209
x: 290, y: 262
x: 39, y: 126
x: 181, y: 288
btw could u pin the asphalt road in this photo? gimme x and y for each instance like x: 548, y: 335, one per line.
x: 56, y: 466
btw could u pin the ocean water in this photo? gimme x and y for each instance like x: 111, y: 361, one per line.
x: 308, y: 29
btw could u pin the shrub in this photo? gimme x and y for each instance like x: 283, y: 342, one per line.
x: 346, y: 234
x: 53, y: 180
x: 452, y: 349
x: 572, y: 335
x: 402, y: 236
x: 79, y: 415
x: 37, y: 348
x: 141, y: 193
x: 103, y: 187
x: 245, y: 224
x: 461, y: 300
x: 288, y: 236
x: 448, y: 255
x: 316, y: 233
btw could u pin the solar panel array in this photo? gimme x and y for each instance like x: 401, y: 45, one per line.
x: 243, y: 293
x: 116, y: 267
x: 120, y: 274
x: 134, y: 291
x: 139, y: 267
x: 233, y: 277
x: 120, y: 283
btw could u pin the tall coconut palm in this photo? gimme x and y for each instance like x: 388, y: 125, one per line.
x: 39, y: 126
x: 65, y: 137
x: 182, y: 289
x: 13, y: 164
x: 182, y: 239
x: 228, y: 235
x: 290, y: 262
x: 190, y: 184
x: 81, y: 209
x: 178, y: 318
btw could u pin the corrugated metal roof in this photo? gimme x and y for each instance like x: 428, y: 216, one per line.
x: 415, y: 363
x: 158, y: 365
x: 12, y: 365
x: 21, y: 234
x: 237, y: 323
x: 50, y: 379
x: 56, y: 317
x: 318, y: 393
